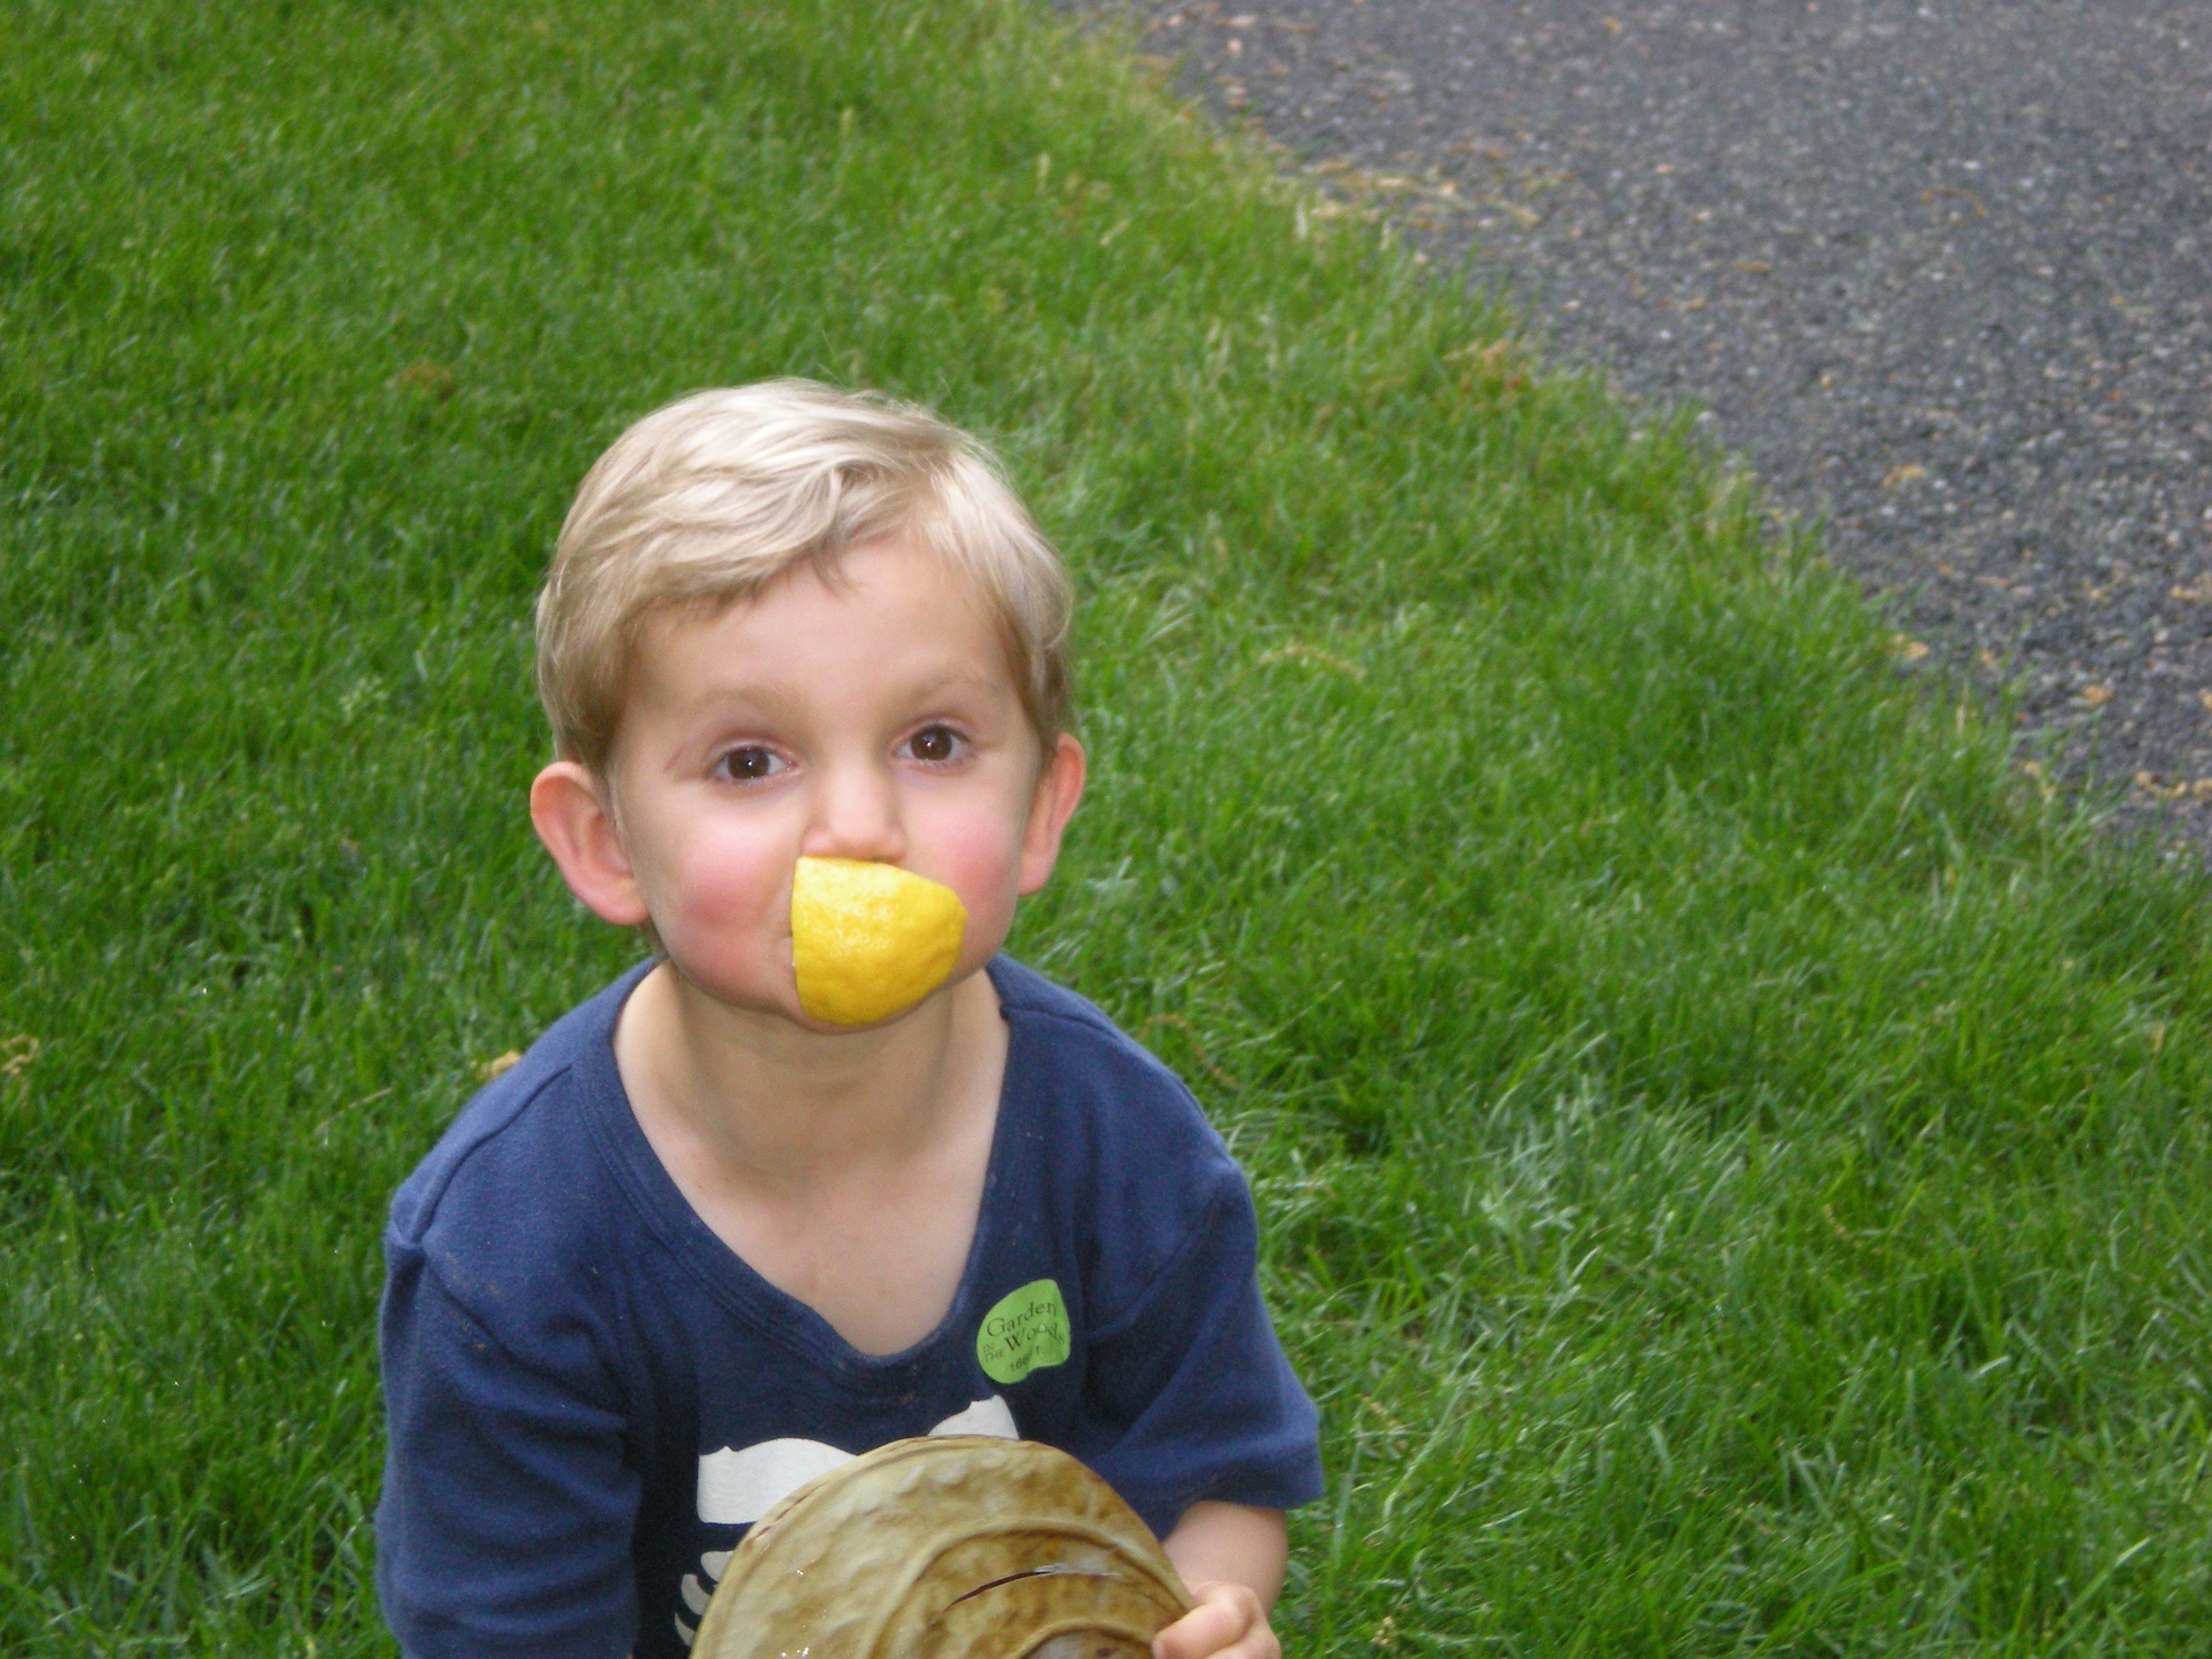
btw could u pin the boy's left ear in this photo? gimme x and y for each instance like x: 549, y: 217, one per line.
x: 568, y: 808
x: 1060, y: 788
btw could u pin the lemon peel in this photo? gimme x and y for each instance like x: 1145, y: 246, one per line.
x: 869, y: 940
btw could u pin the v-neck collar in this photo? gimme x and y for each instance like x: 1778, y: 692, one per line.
x: 726, y: 1276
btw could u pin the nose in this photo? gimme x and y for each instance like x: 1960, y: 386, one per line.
x: 855, y: 815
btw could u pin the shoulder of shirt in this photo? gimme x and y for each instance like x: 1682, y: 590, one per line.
x: 1149, y: 1100
x: 523, y: 1138
x: 1078, y: 1024
x: 1126, y: 1148
x: 1022, y: 990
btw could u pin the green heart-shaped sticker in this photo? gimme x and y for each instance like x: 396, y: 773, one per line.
x: 1025, y: 1331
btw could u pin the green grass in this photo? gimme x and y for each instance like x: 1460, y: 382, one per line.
x: 1734, y: 1163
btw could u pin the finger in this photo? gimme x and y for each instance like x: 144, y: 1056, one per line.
x: 1257, y: 1640
x: 1260, y: 1642
x: 1216, y: 1623
x: 1204, y: 1631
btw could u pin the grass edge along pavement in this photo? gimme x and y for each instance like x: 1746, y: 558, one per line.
x: 1730, y: 1153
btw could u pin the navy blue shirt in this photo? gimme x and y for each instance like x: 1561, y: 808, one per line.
x: 590, y: 1396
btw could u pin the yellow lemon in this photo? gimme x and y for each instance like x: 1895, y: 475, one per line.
x: 869, y: 940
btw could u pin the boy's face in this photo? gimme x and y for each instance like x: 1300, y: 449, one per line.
x: 873, y: 717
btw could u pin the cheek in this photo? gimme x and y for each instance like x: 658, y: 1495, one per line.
x: 980, y: 860
x: 721, y: 878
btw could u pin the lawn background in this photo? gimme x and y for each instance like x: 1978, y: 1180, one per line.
x: 1731, y: 1153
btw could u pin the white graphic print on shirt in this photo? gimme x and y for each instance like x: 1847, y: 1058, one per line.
x: 736, y: 1488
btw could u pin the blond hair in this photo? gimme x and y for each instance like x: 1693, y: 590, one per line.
x: 707, y: 501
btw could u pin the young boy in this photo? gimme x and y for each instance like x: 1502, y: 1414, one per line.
x: 708, y: 1240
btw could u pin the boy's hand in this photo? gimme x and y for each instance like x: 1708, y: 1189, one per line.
x: 1231, y: 1557
x: 1228, y: 1622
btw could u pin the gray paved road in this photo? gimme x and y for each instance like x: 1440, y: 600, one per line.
x: 1941, y: 272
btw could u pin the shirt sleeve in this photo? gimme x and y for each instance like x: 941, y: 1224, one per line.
x: 508, y: 1503
x: 1188, y: 1394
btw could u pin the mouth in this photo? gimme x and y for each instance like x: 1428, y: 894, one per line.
x: 870, y: 940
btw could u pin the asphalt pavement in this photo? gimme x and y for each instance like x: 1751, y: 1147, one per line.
x: 1941, y: 274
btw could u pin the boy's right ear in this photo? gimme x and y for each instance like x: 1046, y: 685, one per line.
x: 568, y: 810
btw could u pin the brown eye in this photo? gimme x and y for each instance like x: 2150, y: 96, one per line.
x: 934, y: 743
x: 749, y: 762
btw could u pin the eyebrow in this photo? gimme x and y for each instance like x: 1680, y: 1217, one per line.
x: 962, y: 681
x: 769, y: 695
x: 774, y: 695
